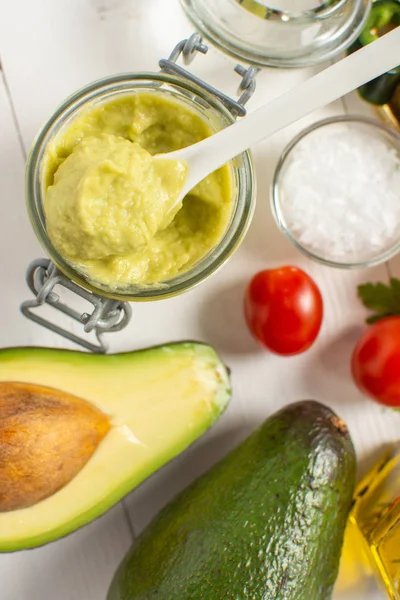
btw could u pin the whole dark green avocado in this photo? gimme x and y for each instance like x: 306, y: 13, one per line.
x: 266, y: 523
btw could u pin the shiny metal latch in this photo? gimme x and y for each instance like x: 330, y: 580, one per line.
x: 107, y: 315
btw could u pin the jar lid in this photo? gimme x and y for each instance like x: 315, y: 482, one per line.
x: 279, y: 33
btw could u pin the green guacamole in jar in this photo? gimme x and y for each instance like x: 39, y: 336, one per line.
x: 105, y: 197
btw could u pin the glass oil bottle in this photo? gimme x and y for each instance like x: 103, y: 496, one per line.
x: 375, y: 520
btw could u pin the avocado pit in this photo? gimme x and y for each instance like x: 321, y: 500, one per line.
x: 46, y: 438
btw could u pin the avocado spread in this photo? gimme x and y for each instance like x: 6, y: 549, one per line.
x: 106, y: 198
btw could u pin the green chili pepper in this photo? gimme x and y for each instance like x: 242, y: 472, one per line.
x: 385, y: 15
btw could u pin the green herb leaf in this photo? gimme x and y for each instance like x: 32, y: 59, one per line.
x: 395, y: 285
x: 377, y: 317
x: 382, y: 299
x: 378, y: 297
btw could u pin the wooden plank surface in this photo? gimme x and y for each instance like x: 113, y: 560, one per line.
x: 48, y: 49
x: 80, y: 566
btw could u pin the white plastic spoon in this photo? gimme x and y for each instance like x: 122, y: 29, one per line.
x: 330, y: 84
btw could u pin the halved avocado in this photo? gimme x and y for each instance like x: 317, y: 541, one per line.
x: 79, y: 431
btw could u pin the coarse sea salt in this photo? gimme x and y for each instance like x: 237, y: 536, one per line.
x: 339, y: 195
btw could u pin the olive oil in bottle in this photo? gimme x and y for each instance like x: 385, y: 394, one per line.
x: 375, y: 519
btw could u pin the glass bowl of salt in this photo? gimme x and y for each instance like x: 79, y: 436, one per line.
x: 336, y: 192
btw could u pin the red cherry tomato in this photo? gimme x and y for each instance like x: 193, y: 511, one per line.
x: 376, y: 362
x: 283, y: 309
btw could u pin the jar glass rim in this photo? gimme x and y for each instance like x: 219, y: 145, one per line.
x: 125, y: 83
x: 321, y: 10
x: 242, y: 46
x: 274, y: 194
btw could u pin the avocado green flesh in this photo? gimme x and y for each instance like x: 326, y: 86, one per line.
x: 266, y: 523
x: 159, y: 401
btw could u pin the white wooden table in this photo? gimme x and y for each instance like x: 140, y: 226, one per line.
x: 50, y: 48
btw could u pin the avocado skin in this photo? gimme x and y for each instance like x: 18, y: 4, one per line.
x: 266, y: 523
